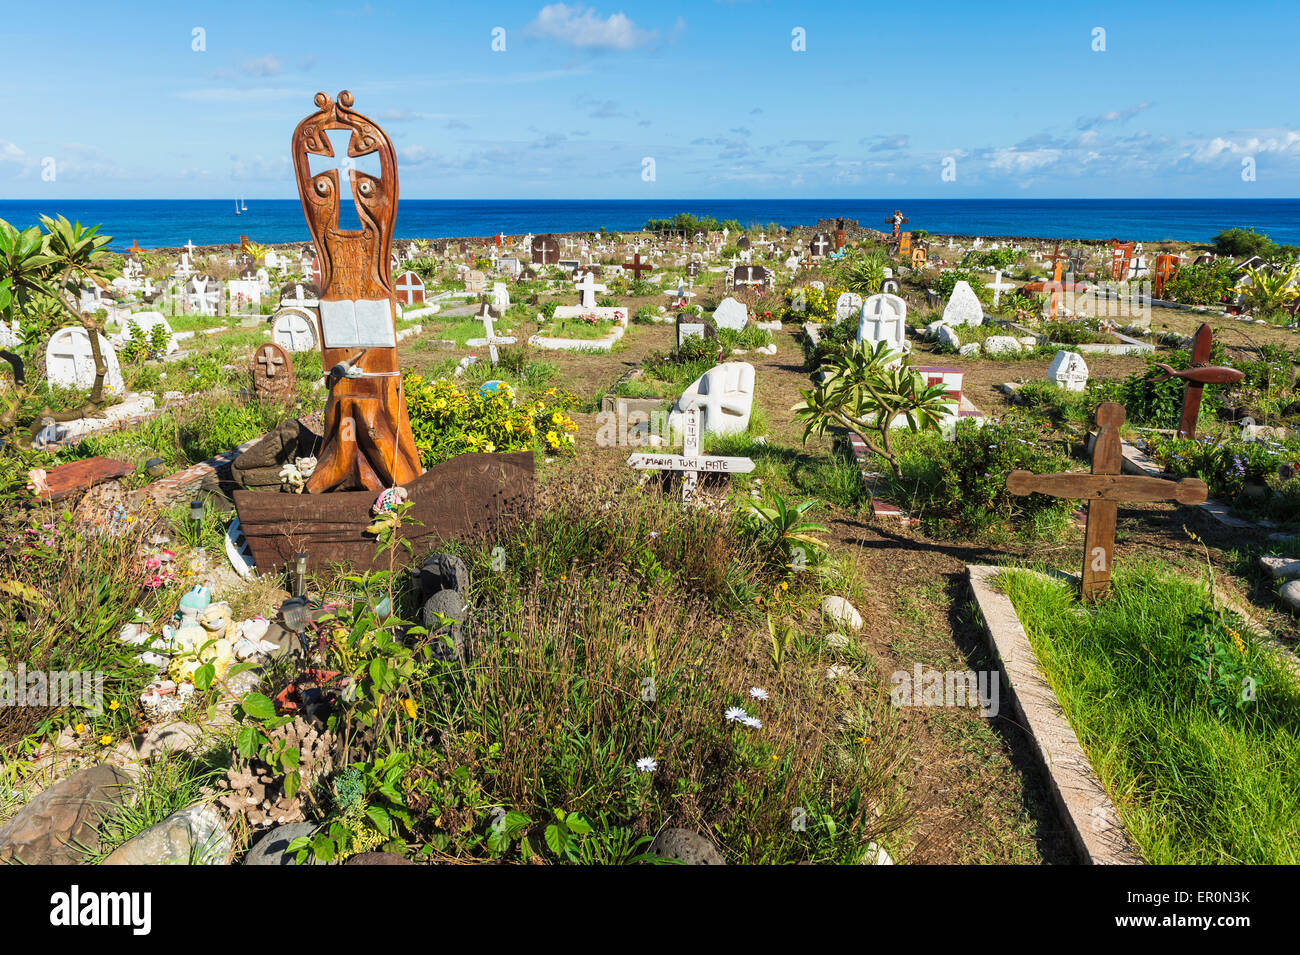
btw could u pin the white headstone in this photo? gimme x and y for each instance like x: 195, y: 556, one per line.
x: 500, y: 296
x: 963, y: 306
x: 146, y: 322
x: 69, y: 362
x: 883, y: 318
x: 725, y: 396
x: 731, y: 314
x: 1069, y: 371
x: 847, y: 306
x: 294, y: 330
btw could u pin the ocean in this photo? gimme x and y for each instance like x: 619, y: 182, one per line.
x: 155, y: 223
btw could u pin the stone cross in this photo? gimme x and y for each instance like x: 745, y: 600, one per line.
x: 588, y: 288
x: 490, y: 338
x: 637, y: 266
x: 1200, y: 374
x: 1103, y: 489
x: 690, y: 463
x: 268, y: 359
x: 819, y: 245
x: 998, y: 286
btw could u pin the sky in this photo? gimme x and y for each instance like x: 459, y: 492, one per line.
x: 659, y: 100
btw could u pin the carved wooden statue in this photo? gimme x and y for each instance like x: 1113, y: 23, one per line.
x: 368, y: 443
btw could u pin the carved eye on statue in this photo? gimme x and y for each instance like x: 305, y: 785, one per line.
x: 322, y: 186
x: 366, y: 188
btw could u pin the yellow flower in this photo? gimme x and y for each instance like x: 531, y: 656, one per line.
x: 489, y: 447
x: 114, y: 705
x: 409, y: 708
x: 105, y: 740
x: 79, y: 728
x: 784, y: 585
x: 510, y: 426
x: 557, y: 418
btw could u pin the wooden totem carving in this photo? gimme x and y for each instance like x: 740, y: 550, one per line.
x: 368, y: 443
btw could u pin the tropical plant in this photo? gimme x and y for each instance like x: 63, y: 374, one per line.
x: 1270, y: 291
x: 76, y: 253
x: 789, y: 538
x: 866, y: 389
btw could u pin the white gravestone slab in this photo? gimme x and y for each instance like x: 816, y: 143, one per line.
x: 963, y: 307
x: 294, y: 330
x: 725, y: 394
x: 847, y: 306
x: 69, y: 362
x: 731, y: 314
x: 883, y: 318
x: 147, y: 322
x: 1069, y: 371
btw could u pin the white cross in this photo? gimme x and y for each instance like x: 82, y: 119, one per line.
x: 589, y: 288
x: 819, y: 246
x: 411, y: 283
x: 998, y: 286
x: 490, y: 339
x: 690, y: 462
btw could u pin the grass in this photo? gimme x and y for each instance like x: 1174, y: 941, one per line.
x: 1152, y: 682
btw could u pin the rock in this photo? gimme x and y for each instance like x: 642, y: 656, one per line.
x: 193, y: 836
x: 378, y: 858
x: 273, y: 848
x: 173, y: 737
x: 1290, y: 594
x: 963, y: 306
x: 1280, y: 568
x: 967, y: 351
x: 451, y: 605
x: 61, y: 825
x: 933, y: 330
x: 841, y: 613
x: 948, y: 337
x: 1029, y: 341
x: 686, y: 846
x: 731, y: 314
x: 1001, y: 345
x: 836, y: 641
x: 443, y: 572
x: 875, y: 856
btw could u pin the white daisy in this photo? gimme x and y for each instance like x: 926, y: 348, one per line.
x: 753, y: 722
x: 647, y: 764
x: 735, y: 714
x: 758, y: 693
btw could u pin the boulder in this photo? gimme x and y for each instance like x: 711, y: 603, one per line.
x: 731, y: 314
x: 967, y: 351
x: 963, y: 306
x: 1001, y: 345
x: 194, y: 836
x: 686, y: 846
x: 948, y: 337
x: 273, y: 848
x: 60, y: 826
x: 378, y: 858
x: 841, y: 613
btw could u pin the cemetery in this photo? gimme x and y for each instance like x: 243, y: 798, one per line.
x: 609, y: 547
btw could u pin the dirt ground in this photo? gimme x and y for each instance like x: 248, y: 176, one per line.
x: 976, y: 792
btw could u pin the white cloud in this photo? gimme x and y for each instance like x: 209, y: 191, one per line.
x: 584, y: 28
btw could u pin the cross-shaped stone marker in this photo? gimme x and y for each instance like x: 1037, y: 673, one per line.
x: 589, y: 288
x: 491, y: 339
x: 998, y: 286
x: 408, y: 287
x: 690, y: 462
x: 819, y: 245
x: 1200, y: 374
x: 268, y: 359
x: 637, y: 266
x: 1103, y: 489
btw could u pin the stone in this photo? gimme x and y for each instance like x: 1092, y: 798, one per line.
x: 687, y: 327
x: 841, y: 613
x: 686, y: 846
x: 443, y: 572
x: 272, y: 372
x: 967, y: 351
x: 70, y: 363
x: 963, y: 306
x: 378, y: 858
x: 847, y: 306
x: 725, y: 396
x: 837, y: 641
x: 194, y: 836
x: 171, y: 737
x: 731, y: 314
x: 273, y: 848
x: 1001, y: 345
x: 60, y: 826
x: 1280, y: 568
x: 1069, y: 371
x: 1290, y: 594
x: 294, y: 329
x: 883, y: 318
x: 949, y: 338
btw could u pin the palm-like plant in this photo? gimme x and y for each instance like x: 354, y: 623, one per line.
x: 1270, y: 291
x: 76, y: 252
x: 862, y: 272
x: 786, y: 530
x: 866, y: 389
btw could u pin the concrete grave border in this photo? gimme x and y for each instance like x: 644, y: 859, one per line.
x: 1089, y: 815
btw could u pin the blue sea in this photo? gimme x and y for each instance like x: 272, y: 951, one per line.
x: 155, y: 223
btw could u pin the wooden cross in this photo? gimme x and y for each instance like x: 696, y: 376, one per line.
x: 1166, y: 268
x: 896, y: 220
x: 1103, y: 489
x: 690, y: 462
x: 491, y: 339
x: 1057, y: 261
x: 905, y: 244
x: 637, y: 266
x: 1121, y: 253
x: 1200, y: 374
x: 268, y: 359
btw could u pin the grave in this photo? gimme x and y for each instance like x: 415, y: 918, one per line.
x: 725, y: 393
x: 272, y: 372
x: 690, y: 463
x: 295, y: 329
x: 70, y: 362
x: 963, y: 306
x: 883, y: 318
x: 490, y: 337
x: 1068, y: 371
x: 847, y: 306
x: 410, y: 289
x: 147, y: 322
x: 731, y: 314
x: 687, y: 327
x: 1200, y: 374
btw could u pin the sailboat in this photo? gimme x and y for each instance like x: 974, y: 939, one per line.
x: 242, y: 207
x: 238, y: 211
